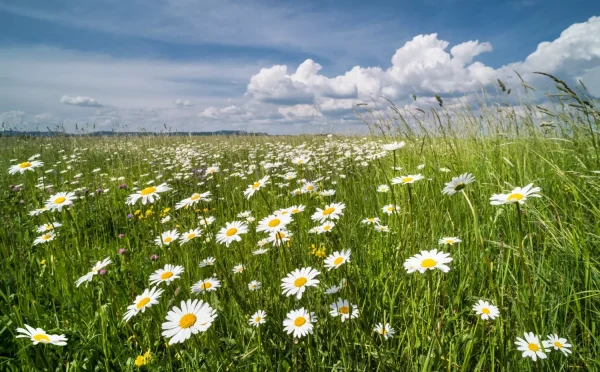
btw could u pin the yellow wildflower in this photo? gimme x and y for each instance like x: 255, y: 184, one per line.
x: 42, y: 262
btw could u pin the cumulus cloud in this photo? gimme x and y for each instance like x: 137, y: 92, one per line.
x: 183, y: 103
x: 300, y: 112
x: 80, y: 101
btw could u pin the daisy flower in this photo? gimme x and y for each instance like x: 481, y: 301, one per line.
x: 296, y: 209
x: 206, y: 285
x: 449, y: 240
x: 49, y: 236
x: 254, y: 285
x: 167, y: 237
x: 309, y: 187
x: 299, y: 322
x: 531, y: 346
x: 381, y: 228
x: 38, y: 335
x: 37, y: 212
x: 301, y: 160
x: 297, y: 281
x: 148, y: 298
x: 428, y: 260
x: 205, y: 221
x: 333, y: 289
x: 49, y: 226
x: 326, y: 227
x: 385, y: 330
x: 404, y: 180
x: 195, y: 198
x: 327, y: 193
x: 344, y: 310
x: 280, y: 237
x: 58, y: 201
x: 389, y: 209
x: 260, y: 251
x: 148, y: 194
x: 371, y: 221
x: 95, y: 269
x: 558, y: 343
x: 257, y: 318
x: 256, y: 186
x: 332, y: 211
x: 189, y: 319
x: 273, y: 223
x: 518, y: 195
x: 238, y: 269
x: 337, y: 259
x: 231, y: 232
x: 25, y: 166
x: 209, y: 261
x: 166, y: 275
x: 383, y: 188
x: 458, y: 184
x: 187, y: 236
x: 393, y: 146
x: 486, y: 310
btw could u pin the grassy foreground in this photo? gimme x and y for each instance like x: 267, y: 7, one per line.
x: 537, y: 262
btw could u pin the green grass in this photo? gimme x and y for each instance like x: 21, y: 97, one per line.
x: 548, y: 247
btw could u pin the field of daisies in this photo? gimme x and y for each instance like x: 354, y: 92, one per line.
x: 377, y: 253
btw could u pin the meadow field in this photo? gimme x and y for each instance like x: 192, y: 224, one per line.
x: 447, y: 240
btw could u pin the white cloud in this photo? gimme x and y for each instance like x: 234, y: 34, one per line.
x: 279, y: 98
x: 300, y: 112
x: 80, y: 101
x: 183, y: 103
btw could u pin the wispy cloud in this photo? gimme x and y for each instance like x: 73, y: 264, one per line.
x: 80, y: 101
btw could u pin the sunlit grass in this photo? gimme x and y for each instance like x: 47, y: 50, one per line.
x: 537, y: 262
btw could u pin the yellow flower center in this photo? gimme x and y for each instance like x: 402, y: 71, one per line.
x: 206, y: 285
x: 257, y: 319
x: 407, y: 179
x: 295, y: 210
x: 328, y: 211
x: 384, y: 331
x: 299, y: 322
x: 310, y: 187
x: 187, y: 320
x: 558, y: 344
x: 515, y: 197
x: 255, y: 185
x: 533, y: 347
x: 60, y: 200
x: 338, y: 261
x: 195, y: 197
x: 48, y: 227
x: 300, y: 282
x: 274, y: 222
x: 428, y: 262
x: 166, y: 275
x: 449, y: 241
x: 485, y: 310
x: 148, y: 191
x: 40, y: 337
x: 300, y: 161
x: 231, y: 231
x: 344, y: 310
x: 46, y: 237
x: 168, y: 239
x: 327, y: 228
x: 25, y: 165
x: 191, y: 236
x: 143, y: 302
x: 280, y: 235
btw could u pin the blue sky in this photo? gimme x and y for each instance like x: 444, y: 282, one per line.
x: 196, y: 65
